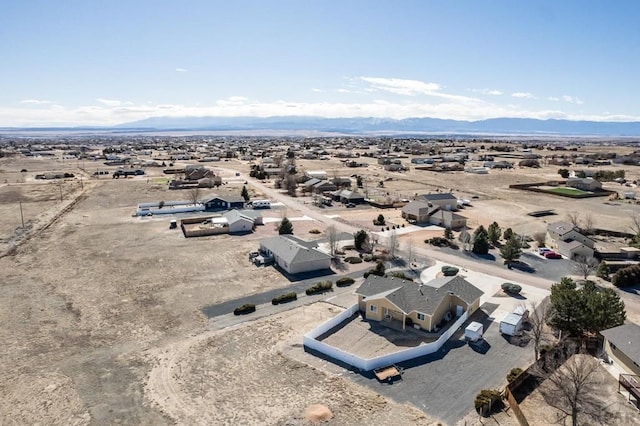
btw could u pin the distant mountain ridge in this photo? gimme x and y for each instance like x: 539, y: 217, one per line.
x: 375, y: 125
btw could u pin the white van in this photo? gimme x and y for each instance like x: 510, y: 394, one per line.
x: 261, y: 204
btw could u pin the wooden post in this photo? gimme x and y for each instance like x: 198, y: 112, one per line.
x: 21, y: 214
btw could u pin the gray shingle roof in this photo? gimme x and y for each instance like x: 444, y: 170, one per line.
x: 410, y: 296
x: 293, y: 250
x: 419, y: 208
x: 626, y: 337
x: 439, y: 197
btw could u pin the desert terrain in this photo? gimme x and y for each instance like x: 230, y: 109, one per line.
x: 102, y: 311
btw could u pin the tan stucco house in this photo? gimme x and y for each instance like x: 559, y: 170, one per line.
x: 381, y: 298
x: 568, y: 241
x: 423, y: 212
x: 622, y: 345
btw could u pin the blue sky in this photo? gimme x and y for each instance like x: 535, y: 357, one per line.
x: 111, y: 61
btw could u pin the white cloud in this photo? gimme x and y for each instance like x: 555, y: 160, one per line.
x: 553, y: 98
x: 318, y: 90
x: 413, y: 87
x: 109, y: 102
x: 115, y: 112
x: 35, y: 101
x: 182, y: 70
x: 492, y: 92
x: 523, y: 95
x: 572, y: 99
x: 344, y: 91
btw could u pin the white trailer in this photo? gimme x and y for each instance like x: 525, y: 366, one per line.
x: 261, y: 204
x: 473, y: 332
x: 511, y: 324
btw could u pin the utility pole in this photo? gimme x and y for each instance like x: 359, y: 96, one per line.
x: 21, y: 215
x: 60, y: 185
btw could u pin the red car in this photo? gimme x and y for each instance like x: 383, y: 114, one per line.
x: 552, y: 255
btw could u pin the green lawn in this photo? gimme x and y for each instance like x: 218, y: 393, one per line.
x: 567, y: 191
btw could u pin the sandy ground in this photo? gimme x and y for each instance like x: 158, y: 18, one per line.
x: 203, y: 379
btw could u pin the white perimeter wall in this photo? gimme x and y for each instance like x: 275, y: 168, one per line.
x: 368, y: 364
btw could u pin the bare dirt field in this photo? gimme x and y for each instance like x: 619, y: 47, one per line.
x: 240, y: 376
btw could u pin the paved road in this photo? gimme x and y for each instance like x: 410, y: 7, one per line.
x: 261, y: 298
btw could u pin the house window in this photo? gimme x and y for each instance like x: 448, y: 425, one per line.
x: 373, y: 308
x: 421, y: 317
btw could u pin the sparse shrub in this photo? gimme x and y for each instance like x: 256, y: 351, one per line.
x: 319, y: 287
x: 345, y: 281
x: 284, y: 298
x: 511, y: 288
x: 352, y: 259
x: 515, y: 372
x: 487, y: 401
x: 379, y: 221
x: 438, y: 242
x: 401, y: 275
x: 314, y: 231
x: 245, y: 309
x: 449, y: 271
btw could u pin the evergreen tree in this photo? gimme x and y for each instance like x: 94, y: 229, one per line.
x: 508, y: 233
x: 589, y: 309
x: 448, y: 233
x: 360, y: 238
x: 511, y: 251
x: 494, y: 232
x: 566, y: 312
x: 480, y: 241
x: 603, y: 271
x: 245, y: 194
x: 286, y: 227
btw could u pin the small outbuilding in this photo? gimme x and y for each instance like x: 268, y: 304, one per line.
x: 473, y: 332
x: 511, y: 324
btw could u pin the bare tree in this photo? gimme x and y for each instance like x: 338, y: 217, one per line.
x: 393, y: 244
x: 540, y: 238
x: 409, y: 249
x: 291, y: 185
x: 587, y: 224
x: 538, y: 314
x: 585, y: 266
x: 635, y: 225
x: 332, y: 237
x: 194, y: 195
x: 574, y: 391
x: 574, y: 218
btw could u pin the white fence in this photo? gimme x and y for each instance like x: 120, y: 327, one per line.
x: 368, y: 364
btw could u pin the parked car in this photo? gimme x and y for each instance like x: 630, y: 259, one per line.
x: 350, y: 205
x: 543, y: 250
x: 552, y: 255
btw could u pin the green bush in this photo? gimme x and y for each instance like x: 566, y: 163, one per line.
x: 626, y: 277
x: 515, y: 372
x: 487, y: 401
x: 345, y: 281
x: 511, y: 288
x: 438, y: 242
x: 284, y: 298
x: 319, y: 287
x: 353, y: 259
x: 401, y: 275
x: 450, y: 271
x: 245, y: 309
